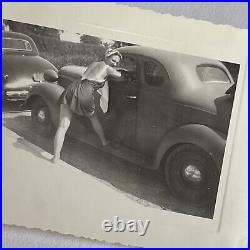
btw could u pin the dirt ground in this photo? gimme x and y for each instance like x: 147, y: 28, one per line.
x: 142, y: 185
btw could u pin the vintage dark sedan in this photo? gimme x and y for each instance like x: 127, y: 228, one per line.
x: 22, y: 65
x: 169, y: 109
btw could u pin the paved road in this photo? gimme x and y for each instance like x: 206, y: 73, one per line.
x: 145, y: 186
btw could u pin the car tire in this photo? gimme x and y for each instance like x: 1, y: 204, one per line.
x: 41, y: 118
x: 192, y: 175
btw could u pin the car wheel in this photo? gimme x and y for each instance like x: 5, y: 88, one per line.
x: 192, y: 175
x: 40, y: 116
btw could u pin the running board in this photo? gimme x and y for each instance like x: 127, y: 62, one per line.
x: 114, y: 149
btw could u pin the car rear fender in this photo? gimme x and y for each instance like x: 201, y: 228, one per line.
x: 210, y: 140
x: 49, y: 93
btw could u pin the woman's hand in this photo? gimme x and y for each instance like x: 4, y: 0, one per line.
x: 123, y: 76
x: 122, y: 70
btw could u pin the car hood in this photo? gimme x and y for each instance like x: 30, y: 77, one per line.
x: 18, y: 70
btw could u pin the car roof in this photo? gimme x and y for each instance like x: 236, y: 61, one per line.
x: 168, y: 58
x: 13, y: 34
x: 178, y: 65
x: 181, y: 68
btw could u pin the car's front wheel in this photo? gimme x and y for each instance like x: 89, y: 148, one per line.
x: 192, y: 175
x: 41, y: 118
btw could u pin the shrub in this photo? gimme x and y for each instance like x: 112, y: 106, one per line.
x: 62, y: 53
x: 67, y: 59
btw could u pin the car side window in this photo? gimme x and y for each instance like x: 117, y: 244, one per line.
x: 128, y: 63
x: 154, y: 73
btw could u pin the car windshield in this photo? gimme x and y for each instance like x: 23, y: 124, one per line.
x: 16, y: 44
x: 210, y: 74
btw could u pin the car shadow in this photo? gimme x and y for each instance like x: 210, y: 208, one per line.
x: 139, y: 183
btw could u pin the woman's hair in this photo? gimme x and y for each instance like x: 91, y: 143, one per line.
x: 111, y: 52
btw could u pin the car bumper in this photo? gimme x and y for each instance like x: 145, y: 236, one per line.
x: 15, y: 95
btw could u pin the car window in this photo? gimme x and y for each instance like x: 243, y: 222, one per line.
x: 210, y: 74
x: 16, y: 44
x: 154, y: 73
x: 128, y: 63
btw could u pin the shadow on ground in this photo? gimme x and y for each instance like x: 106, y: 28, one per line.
x: 141, y: 183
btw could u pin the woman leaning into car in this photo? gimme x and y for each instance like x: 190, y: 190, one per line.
x: 78, y: 98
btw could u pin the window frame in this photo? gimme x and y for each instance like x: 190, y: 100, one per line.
x: 132, y: 56
x: 212, y: 66
x: 166, y: 79
x: 137, y: 61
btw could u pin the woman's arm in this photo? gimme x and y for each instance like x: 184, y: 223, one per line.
x: 113, y: 72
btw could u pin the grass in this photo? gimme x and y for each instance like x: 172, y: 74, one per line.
x: 67, y: 59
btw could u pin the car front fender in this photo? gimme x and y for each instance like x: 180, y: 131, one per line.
x: 210, y: 140
x: 50, y: 93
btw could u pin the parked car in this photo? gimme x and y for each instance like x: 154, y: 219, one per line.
x: 174, y: 109
x: 22, y: 65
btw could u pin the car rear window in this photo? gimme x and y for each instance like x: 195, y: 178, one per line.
x: 16, y: 44
x: 210, y: 74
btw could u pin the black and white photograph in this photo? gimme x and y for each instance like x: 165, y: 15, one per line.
x: 150, y: 125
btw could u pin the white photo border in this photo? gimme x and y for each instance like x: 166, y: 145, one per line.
x: 106, y: 20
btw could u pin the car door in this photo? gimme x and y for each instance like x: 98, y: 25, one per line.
x: 121, y: 119
x: 156, y: 112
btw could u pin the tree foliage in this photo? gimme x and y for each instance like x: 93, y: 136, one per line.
x: 86, y: 39
x: 62, y: 53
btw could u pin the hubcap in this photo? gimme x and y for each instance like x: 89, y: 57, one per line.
x: 192, y: 173
x: 41, y: 115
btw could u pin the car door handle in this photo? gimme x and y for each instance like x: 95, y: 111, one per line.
x: 131, y: 96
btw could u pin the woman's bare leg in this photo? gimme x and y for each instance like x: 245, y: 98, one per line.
x: 65, y: 118
x: 98, y: 129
